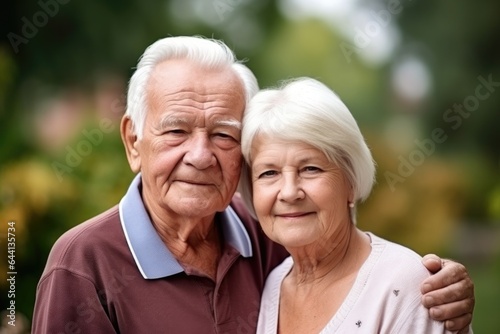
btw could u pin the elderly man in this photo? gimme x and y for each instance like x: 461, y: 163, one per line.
x: 180, y: 253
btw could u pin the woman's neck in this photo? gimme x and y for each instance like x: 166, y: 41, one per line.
x: 331, y: 260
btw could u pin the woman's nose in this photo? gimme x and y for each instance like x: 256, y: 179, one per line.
x: 291, y: 189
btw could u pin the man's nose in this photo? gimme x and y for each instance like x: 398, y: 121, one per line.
x: 200, y: 154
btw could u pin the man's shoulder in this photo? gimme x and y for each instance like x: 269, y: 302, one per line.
x: 90, y: 236
x: 92, y: 229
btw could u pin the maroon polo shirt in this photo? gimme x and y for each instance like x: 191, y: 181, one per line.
x: 94, y: 282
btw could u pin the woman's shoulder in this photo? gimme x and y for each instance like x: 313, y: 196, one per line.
x: 392, y: 250
x: 397, y: 261
x: 391, y: 284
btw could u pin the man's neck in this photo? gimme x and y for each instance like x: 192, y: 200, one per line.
x: 195, y: 243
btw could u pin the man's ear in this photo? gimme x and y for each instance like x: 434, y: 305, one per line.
x: 130, y: 142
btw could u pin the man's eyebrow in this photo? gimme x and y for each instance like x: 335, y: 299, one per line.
x: 174, y: 120
x: 171, y: 120
x: 229, y: 122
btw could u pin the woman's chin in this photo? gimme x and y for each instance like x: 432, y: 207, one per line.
x: 297, y: 241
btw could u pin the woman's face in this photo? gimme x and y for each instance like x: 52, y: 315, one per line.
x: 301, y: 198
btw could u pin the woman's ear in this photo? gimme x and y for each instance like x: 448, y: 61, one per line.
x: 351, y: 196
x: 131, y: 143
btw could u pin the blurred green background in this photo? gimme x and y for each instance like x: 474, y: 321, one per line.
x: 421, y: 77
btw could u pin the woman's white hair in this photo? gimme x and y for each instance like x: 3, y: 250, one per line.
x: 305, y: 110
x: 209, y: 53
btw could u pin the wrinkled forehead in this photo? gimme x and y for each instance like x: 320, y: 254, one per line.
x: 182, y: 74
x: 178, y: 81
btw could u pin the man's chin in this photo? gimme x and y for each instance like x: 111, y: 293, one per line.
x: 194, y: 208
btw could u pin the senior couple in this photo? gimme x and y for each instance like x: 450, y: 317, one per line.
x: 183, y: 253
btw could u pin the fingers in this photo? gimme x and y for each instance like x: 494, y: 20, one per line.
x: 449, y: 295
x: 432, y: 262
x: 451, y: 273
x: 453, y: 310
x: 462, y: 291
x: 460, y: 324
x: 454, y: 300
x: 458, y: 315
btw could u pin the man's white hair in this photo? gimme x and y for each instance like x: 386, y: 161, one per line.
x: 208, y: 53
x: 305, y: 110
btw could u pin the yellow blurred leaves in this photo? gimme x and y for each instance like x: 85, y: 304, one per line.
x: 27, y: 187
x: 423, y: 211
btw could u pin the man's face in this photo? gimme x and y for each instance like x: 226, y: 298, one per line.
x: 190, y: 155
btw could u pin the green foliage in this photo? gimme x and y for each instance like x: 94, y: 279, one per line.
x: 45, y: 203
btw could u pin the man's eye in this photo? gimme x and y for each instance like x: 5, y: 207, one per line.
x: 175, y: 131
x: 223, y: 135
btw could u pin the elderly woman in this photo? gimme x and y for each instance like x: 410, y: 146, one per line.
x: 308, y: 166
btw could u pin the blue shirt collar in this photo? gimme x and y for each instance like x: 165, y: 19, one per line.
x: 152, y: 257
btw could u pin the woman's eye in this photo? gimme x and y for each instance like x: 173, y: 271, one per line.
x: 311, y: 169
x: 267, y: 173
